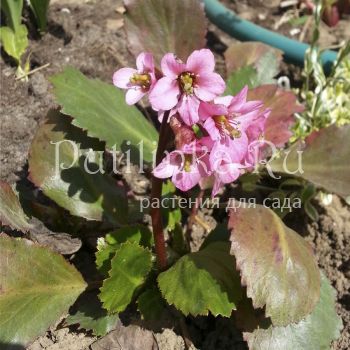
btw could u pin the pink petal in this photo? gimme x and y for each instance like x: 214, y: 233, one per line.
x: 144, y: 62
x: 165, y: 168
x: 134, y: 95
x: 165, y: 94
x: 161, y: 114
x: 229, y: 172
x: 188, y: 109
x: 207, y: 110
x: 217, y: 185
x: 213, y: 131
x: 223, y: 100
x: 201, y: 62
x: 171, y: 66
x: 186, y: 180
x: 209, y: 86
x: 239, y: 99
x: 121, y: 78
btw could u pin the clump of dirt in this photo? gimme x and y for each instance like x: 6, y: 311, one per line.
x: 330, y: 237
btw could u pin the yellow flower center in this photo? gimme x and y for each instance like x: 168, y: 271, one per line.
x: 142, y: 80
x: 188, y: 163
x: 187, y: 81
x: 224, y: 126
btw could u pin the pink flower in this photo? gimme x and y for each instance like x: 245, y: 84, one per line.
x: 138, y: 81
x: 230, y: 116
x: 226, y: 160
x: 186, y: 167
x: 185, y: 85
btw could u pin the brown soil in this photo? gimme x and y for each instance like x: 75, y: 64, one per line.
x: 88, y: 35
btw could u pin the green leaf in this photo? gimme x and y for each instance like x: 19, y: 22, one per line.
x: 13, y: 13
x: 101, y: 109
x: 91, y: 316
x: 151, y: 304
x: 203, y: 282
x: 276, y: 264
x: 247, y: 75
x: 324, y: 159
x: 39, y: 8
x: 130, y: 267
x: 315, y: 332
x: 11, y: 212
x: 161, y: 26
x: 92, y: 196
x: 251, y: 64
x: 311, y: 211
x: 219, y: 233
x: 37, y: 286
x: 15, y: 42
x: 107, y: 246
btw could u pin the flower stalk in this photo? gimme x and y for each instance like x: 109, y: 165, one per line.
x: 156, y: 192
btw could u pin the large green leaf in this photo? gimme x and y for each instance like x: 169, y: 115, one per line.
x: 202, y: 282
x: 315, y: 332
x: 251, y: 64
x: 130, y: 267
x: 92, y: 196
x: 276, y: 264
x: 101, y: 109
x: 91, y: 316
x: 324, y: 158
x: 107, y: 246
x: 162, y: 26
x: 15, y: 43
x: 283, y: 105
x: 37, y: 286
x: 11, y: 212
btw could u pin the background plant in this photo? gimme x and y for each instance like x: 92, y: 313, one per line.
x: 14, y: 36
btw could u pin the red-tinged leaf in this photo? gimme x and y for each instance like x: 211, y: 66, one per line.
x: 276, y: 264
x: 253, y: 53
x: 11, y: 212
x: 283, y: 105
x: 162, y: 26
x: 37, y: 286
x: 315, y: 332
x: 325, y: 156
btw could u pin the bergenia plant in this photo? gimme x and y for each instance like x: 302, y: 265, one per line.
x: 199, y: 141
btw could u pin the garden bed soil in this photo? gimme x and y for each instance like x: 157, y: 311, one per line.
x: 89, y: 35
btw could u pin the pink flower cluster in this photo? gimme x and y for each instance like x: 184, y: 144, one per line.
x: 216, y: 137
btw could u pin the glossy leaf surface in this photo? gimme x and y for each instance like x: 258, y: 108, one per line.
x: 101, y: 109
x: 203, y: 282
x: 276, y: 264
x: 324, y: 158
x: 315, y: 332
x: 61, y: 164
x: 129, y: 269
x: 37, y: 286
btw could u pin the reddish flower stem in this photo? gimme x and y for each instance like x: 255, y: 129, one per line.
x: 156, y: 193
